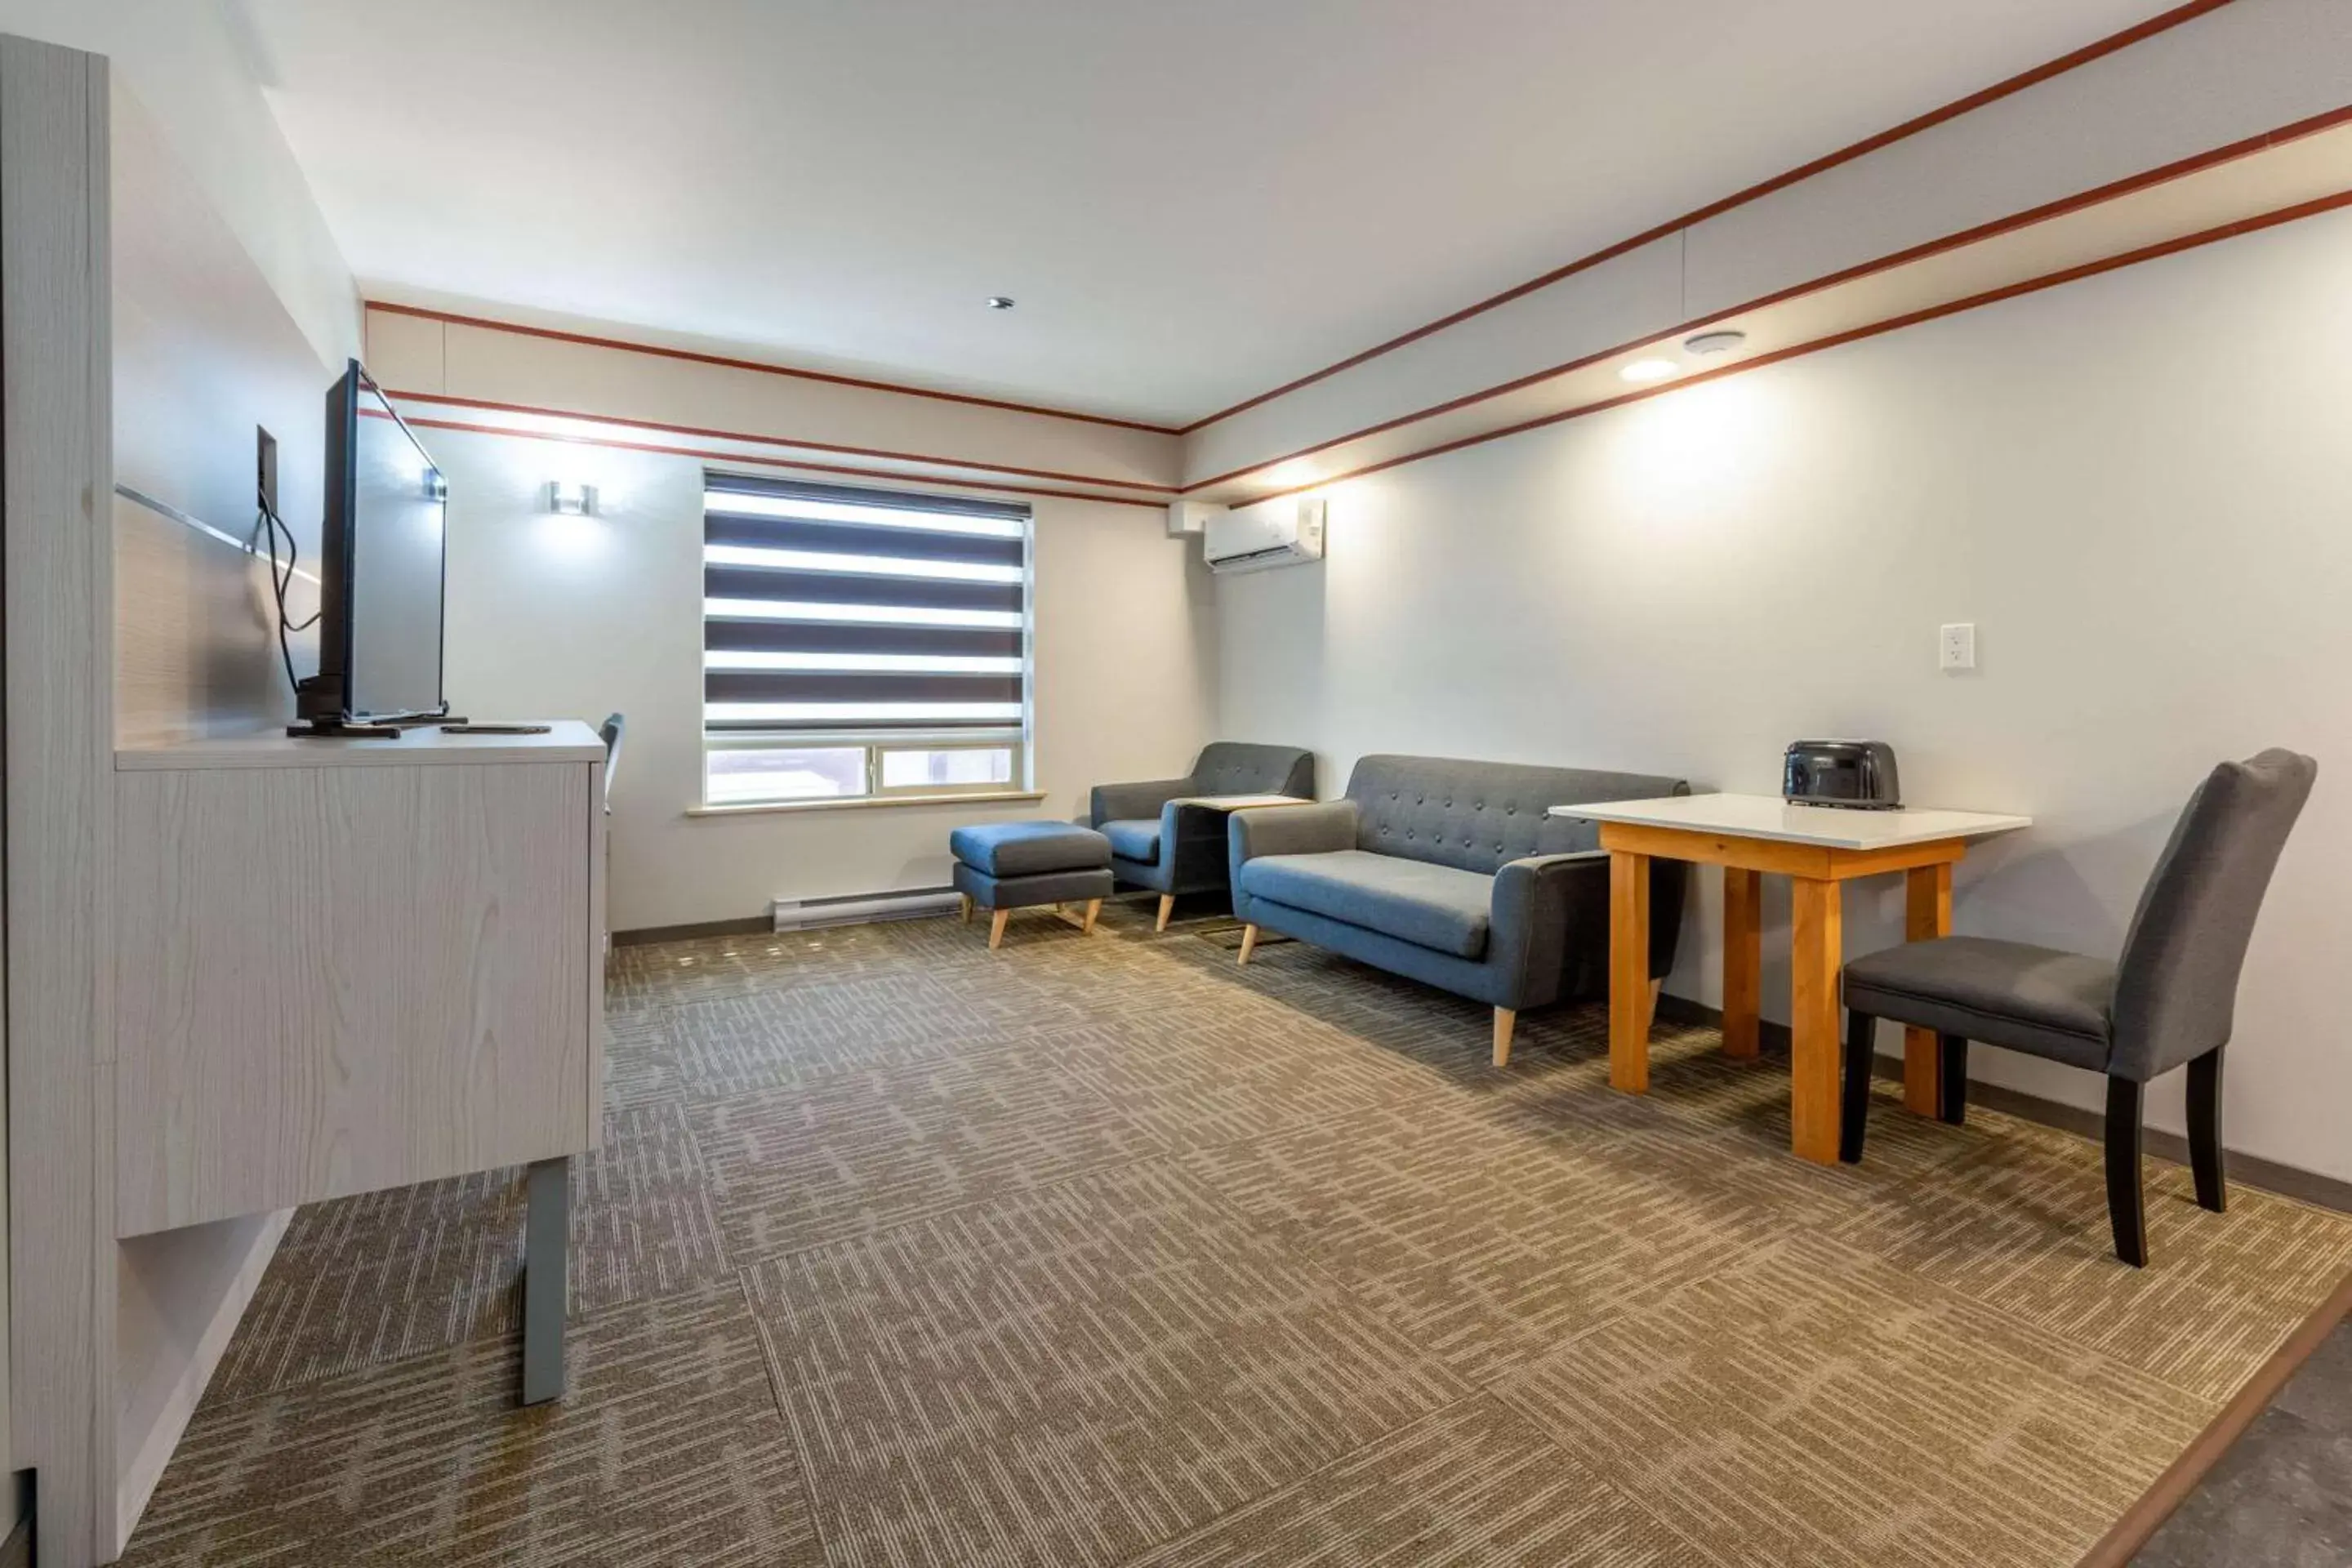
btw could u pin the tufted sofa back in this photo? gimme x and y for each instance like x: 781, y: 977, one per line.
x: 1243, y: 767
x: 1479, y: 815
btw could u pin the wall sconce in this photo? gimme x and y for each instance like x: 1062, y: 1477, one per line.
x: 566, y: 499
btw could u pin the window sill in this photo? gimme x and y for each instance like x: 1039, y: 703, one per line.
x: 758, y: 808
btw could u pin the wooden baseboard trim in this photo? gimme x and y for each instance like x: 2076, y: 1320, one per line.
x: 2145, y: 1518
x: 2252, y: 1170
x: 747, y: 926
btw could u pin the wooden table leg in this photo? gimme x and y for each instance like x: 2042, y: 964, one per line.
x: 1927, y: 896
x: 1743, y: 960
x: 1629, y: 972
x: 1816, y: 953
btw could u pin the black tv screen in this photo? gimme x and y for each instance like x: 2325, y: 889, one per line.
x: 380, y: 619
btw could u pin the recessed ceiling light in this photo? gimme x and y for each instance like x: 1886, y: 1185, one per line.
x: 999, y: 302
x: 1650, y: 370
x: 1715, y: 343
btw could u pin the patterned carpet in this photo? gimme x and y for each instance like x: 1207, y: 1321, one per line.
x: 1100, y: 1250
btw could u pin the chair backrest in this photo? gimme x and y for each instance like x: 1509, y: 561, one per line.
x: 2176, y: 988
x: 611, y: 730
x: 1479, y: 815
x: 1244, y: 767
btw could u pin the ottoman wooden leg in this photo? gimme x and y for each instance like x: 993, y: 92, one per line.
x: 996, y: 928
x: 1094, y: 908
x: 964, y: 900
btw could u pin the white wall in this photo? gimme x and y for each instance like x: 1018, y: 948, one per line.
x: 200, y: 76
x: 574, y: 618
x: 2139, y: 486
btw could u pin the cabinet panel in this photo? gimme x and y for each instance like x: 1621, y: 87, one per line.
x: 335, y: 979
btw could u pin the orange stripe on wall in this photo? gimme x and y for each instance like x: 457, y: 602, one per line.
x: 1909, y: 128
x: 2313, y: 209
x: 2063, y: 207
x: 428, y: 423
x: 883, y: 452
x: 725, y: 362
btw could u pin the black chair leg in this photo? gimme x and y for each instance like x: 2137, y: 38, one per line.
x: 2127, y: 1210
x: 2205, y: 1130
x: 1854, y: 1106
x: 1952, y: 1092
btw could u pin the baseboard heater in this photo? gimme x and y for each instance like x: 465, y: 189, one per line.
x: 859, y: 908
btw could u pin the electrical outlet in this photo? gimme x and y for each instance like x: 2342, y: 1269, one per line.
x: 1957, y: 649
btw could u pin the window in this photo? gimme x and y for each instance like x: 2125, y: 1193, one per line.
x: 861, y: 645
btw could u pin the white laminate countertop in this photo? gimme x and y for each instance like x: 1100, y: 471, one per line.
x: 1239, y: 802
x: 1769, y: 817
x: 566, y: 741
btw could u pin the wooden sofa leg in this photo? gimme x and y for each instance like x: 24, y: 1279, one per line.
x: 1506, y: 1020
x: 996, y: 928
x: 1167, y: 908
x: 1657, y: 988
x: 1249, y: 942
x: 963, y: 908
x: 1094, y: 908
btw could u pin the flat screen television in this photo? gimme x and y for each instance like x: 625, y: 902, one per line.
x: 381, y: 571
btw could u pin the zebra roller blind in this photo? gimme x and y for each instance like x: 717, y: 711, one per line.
x: 839, y: 614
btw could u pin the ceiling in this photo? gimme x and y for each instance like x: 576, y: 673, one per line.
x: 1192, y: 201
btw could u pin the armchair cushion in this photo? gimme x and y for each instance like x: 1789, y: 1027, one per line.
x: 1133, y: 837
x: 1439, y: 907
x: 2012, y: 993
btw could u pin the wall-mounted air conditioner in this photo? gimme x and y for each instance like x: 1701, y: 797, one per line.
x: 1282, y: 532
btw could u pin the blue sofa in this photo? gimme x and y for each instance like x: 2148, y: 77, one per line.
x: 1159, y: 842
x: 1451, y: 873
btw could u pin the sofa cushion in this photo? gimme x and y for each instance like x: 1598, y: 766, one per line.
x: 1026, y: 848
x: 1440, y: 907
x: 1134, y: 838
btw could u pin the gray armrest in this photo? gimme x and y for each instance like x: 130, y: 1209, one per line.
x: 1292, y: 830
x: 1537, y: 902
x: 1128, y: 801
x: 1549, y: 923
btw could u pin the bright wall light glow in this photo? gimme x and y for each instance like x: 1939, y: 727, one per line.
x: 1650, y: 370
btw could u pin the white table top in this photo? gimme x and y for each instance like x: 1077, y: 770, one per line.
x: 1239, y: 802
x: 566, y: 741
x: 1769, y: 817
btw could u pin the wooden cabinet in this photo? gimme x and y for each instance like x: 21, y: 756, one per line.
x: 352, y: 964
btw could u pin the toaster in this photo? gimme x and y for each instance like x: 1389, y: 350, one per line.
x: 1859, y: 773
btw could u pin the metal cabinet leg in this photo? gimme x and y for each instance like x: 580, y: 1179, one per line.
x: 546, y: 1269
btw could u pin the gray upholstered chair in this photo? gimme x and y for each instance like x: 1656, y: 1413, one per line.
x: 1157, y: 843
x: 2167, y: 1003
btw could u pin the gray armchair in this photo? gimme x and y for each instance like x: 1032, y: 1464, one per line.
x: 1159, y: 841
x: 2167, y: 1003
x: 1451, y: 873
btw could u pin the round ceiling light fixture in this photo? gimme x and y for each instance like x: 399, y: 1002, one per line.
x: 1650, y: 370
x: 999, y: 302
x: 1715, y: 343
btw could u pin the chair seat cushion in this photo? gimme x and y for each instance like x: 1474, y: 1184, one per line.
x: 2027, y: 998
x: 1134, y: 838
x: 1027, y: 849
x: 1439, y: 907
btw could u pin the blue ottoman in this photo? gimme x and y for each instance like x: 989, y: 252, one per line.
x: 1007, y: 866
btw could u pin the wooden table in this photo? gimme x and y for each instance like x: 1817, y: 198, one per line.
x: 1820, y: 849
